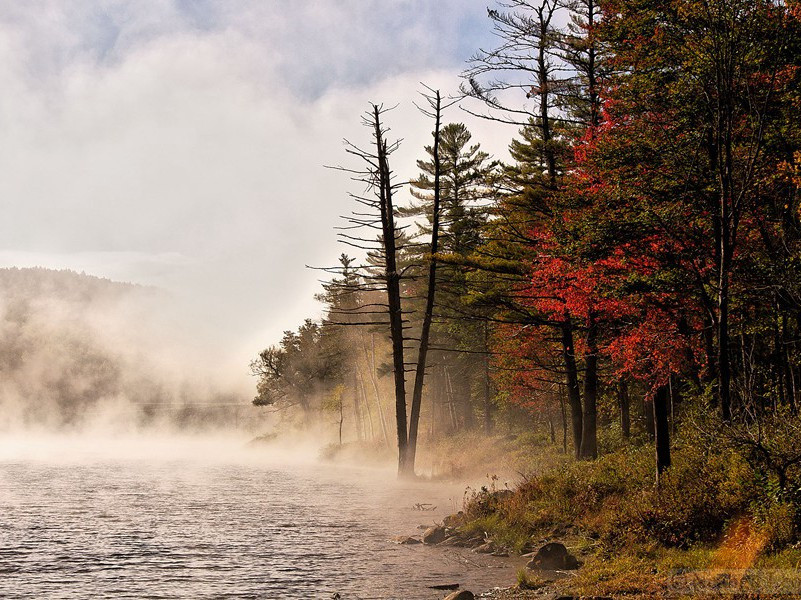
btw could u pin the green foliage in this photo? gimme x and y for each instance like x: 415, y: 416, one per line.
x: 710, y: 486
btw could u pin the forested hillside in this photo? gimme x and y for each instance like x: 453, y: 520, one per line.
x: 82, y: 350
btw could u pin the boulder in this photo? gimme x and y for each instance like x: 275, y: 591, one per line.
x: 444, y: 586
x: 434, y: 535
x: 405, y: 540
x: 553, y: 557
x: 460, y: 595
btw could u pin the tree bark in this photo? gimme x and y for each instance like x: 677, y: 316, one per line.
x: 392, y: 278
x: 420, y: 370
x: 661, y: 404
x: 623, y: 404
x: 374, y: 380
x: 589, y: 432
x: 573, y: 393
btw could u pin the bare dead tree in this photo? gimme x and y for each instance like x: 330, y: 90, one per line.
x: 380, y: 186
x: 434, y: 111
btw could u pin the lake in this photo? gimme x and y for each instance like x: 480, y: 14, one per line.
x: 162, y: 517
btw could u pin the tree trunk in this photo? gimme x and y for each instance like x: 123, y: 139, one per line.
x: 573, y: 393
x: 487, y: 395
x: 589, y: 434
x: 420, y: 371
x: 357, y: 412
x: 366, y: 400
x: 724, y: 357
x: 464, y: 388
x: 374, y: 380
x: 392, y: 278
x: 648, y: 412
x: 623, y: 404
x: 662, y: 429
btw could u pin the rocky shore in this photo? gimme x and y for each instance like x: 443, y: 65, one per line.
x: 548, y: 560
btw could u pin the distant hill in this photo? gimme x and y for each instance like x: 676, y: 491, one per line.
x: 76, y: 349
x: 64, y: 284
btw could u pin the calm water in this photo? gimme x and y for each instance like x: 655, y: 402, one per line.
x: 139, y: 520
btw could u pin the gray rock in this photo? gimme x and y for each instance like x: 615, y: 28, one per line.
x: 405, y: 540
x: 434, y: 535
x: 553, y: 557
x: 444, y: 586
x: 460, y: 595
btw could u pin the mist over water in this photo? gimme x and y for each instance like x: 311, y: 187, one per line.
x: 127, y: 469
x: 208, y: 517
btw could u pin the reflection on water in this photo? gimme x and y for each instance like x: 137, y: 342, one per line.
x: 211, y: 523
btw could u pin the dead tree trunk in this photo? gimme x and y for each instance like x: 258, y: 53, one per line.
x: 420, y: 371
x: 392, y: 278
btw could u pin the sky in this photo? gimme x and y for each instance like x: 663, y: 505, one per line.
x: 182, y: 143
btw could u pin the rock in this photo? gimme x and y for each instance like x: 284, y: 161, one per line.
x: 487, y: 548
x: 454, y: 540
x: 461, y: 595
x: 405, y: 540
x: 553, y: 557
x: 444, y: 586
x: 434, y: 535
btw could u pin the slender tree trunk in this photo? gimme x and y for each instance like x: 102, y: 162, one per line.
x: 464, y: 390
x: 573, y: 393
x: 711, y: 360
x: 357, y: 412
x: 393, y: 290
x: 487, y: 395
x: 623, y: 403
x: 662, y: 429
x: 451, y: 401
x: 341, y: 417
x: 420, y: 371
x: 648, y: 413
x: 374, y: 380
x: 366, y: 400
x: 563, y: 413
x: 724, y: 356
x: 543, y: 93
x: 589, y: 434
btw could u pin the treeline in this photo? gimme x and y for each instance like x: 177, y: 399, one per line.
x: 639, y: 255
